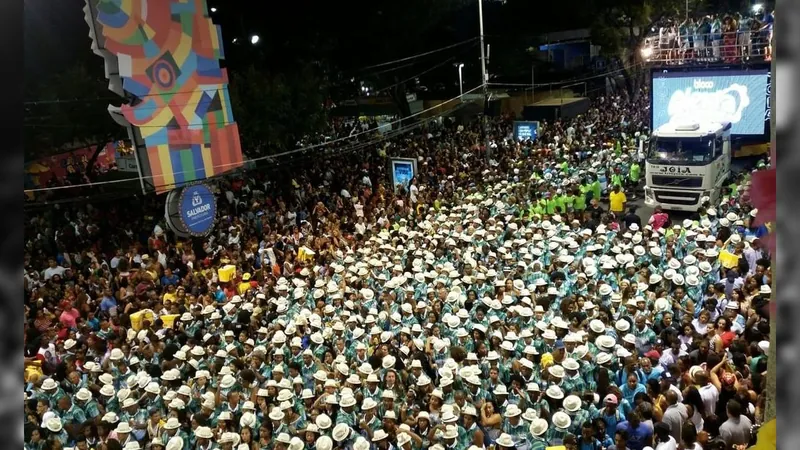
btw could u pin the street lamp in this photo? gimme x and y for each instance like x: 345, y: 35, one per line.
x: 460, y: 80
x: 254, y: 39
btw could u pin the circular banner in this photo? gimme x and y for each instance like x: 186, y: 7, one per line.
x: 197, y: 208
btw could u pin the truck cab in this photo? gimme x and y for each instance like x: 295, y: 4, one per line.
x: 687, y: 164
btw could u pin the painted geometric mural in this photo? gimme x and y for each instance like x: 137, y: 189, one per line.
x: 164, y: 54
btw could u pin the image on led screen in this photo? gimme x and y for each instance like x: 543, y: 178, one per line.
x: 737, y: 97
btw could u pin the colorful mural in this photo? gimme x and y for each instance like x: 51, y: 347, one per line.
x: 167, y: 53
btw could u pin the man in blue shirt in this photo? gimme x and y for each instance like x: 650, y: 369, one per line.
x: 169, y: 278
x: 639, y: 434
x: 108, y: 302
x: 93, y: 321
x: 587, y: 441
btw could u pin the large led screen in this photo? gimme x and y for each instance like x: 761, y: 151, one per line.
x: 736, y: 96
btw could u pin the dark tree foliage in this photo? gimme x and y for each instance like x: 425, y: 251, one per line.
x: 68, y: 110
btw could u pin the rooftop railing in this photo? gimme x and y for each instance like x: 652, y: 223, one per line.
x: 726, y: 47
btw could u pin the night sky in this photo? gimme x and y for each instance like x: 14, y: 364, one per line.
x: 56, y: 35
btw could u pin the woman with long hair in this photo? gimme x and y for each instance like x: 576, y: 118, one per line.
x: 722, y: 335
x: 490, y: 420
x: 695, y: 408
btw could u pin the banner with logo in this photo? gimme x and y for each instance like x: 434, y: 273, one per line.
x: 191, y: 210
x: 197, y: 208
x: 524, y: 131
x: 740, y: 97
x: 403, y: 170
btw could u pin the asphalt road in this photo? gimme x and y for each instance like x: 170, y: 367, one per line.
x: 644, y: 212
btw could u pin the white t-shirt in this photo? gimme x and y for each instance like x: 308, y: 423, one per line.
x: 677, y: 391
x: 361, y: 228
x: 710, y: 396
x: 671, y: 444
x: 162, y: 259
x: 50, y: 271
x: 697, y: 421
x: 413, y: 192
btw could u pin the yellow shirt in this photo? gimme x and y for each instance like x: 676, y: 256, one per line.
x: 617, y: 201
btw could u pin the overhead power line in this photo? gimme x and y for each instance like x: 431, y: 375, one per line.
x: 261, y: 158
x: 567, y: 82
x: 420, y: 55
x: 431, y: 69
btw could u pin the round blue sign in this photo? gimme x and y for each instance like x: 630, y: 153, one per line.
x: 197, y: 209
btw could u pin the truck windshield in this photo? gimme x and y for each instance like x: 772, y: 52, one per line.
x: 687, y: 151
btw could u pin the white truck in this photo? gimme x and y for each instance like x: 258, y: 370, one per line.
x: 687, y: 163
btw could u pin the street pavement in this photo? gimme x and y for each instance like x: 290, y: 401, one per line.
x: 644, y: 212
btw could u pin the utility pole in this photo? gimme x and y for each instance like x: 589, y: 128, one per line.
x: 485, y: 84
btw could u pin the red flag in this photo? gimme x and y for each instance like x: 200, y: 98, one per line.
x: 763, y: 196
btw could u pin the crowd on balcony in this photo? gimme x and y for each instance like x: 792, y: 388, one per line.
x: 729, y: 38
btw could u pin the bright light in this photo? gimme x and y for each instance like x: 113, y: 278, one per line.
x: 254, y: 39
x: 647, y: 52
x: 213, y: 9
x: 461, y: 65
x: 235, y: 40
x: 757, y: 7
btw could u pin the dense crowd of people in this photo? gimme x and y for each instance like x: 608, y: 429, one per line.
x: 492, y: 303
x: 715, y: 37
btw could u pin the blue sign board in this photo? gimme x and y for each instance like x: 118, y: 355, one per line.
x: 524, y: 131
x: 736, y: 96
x: 403, y: 170
x: 197, y: 209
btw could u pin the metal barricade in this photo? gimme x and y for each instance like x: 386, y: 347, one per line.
x: 727, y: 47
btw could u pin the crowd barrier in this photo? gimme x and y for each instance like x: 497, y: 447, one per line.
x: 728, y: 47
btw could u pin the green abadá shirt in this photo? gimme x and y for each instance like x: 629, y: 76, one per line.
x: 580, y: 201
x: 635, y: 172
x: 569, y: 201
x: 596, y: 189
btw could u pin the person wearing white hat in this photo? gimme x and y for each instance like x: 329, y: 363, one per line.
x: 84, y: 401
x: 204, y: 437
x: 573, y: 406
x: 361, y: 444
x: 450, y: 435
x: 51, y: 390
x: 342, y: 433
x: 505, y: 440
x: 470, y: 417
x: 559, y: 429
x: 515, y: 427
x: 56, y: 429
x: 404, y: 441
x: 124, y: 433
x: 462, y: 247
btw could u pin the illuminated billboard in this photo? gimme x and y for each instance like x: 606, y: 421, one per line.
x: 403, y: 170
x: 740, y: 97
x: 524, y: 131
